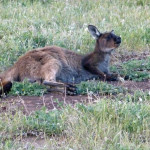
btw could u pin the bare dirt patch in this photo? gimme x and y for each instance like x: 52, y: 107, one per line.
x: 126, y: 56
x: 55, y: 100
x: 132, y: 85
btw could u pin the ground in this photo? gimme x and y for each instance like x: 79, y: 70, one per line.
x: 52, y: 100
x: 29, y: 104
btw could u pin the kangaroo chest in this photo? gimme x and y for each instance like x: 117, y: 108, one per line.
x: 104, y: 65
x: 76, y: 75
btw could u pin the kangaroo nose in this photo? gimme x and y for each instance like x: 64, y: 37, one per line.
x: 118, y: 40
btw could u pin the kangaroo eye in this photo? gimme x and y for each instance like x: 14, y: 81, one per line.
x: 109, y: 37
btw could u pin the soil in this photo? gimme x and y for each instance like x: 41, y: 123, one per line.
x: 126, y: 56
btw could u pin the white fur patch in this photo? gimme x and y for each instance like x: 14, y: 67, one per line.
x: 121, y: 79
x: 97, y: 33
x: 107, y: 49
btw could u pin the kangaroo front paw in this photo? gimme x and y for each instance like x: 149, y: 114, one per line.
x: 71, y: 90
x: 127, y: 77
x: 102, y: 77
x: 112, y: 77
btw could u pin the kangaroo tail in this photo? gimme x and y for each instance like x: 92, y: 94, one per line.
x: 6, y: 79
x: 5, y: 87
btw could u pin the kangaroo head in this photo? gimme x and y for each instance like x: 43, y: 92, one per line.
x: 107, y: 41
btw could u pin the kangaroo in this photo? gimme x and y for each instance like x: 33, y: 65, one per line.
x: 56, y: 66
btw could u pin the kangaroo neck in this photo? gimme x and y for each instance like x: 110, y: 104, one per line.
x: 99, y: 51
x: 96, y: 56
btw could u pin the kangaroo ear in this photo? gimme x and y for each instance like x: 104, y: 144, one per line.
x: 113, y: 31
x: 94, y: 31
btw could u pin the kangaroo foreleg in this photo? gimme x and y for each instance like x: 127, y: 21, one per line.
x: 112, y: 77
x: 95, y: 70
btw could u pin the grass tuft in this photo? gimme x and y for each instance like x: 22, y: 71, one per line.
x: 102, y: 88
x: 40, y: 122
x: 137, y: 70
x: 26, y: 88
x: 48, y: 122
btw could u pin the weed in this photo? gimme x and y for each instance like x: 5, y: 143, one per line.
x: 41, y: 121
x: 27, y: 88
x: 138, y: 96
x: 49, y: 122
x: 99, y: 87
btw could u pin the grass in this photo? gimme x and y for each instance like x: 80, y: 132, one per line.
x: 107, y: 124
x: 44, y: 121
x: 26, y: 88
x: 29, y: 24
x: 98, y: 87
x: 137, y: 70
x: 121, y: 123
x: 138, y: 96
x: 49, y: 122
x: 20, y: 125
x: 112, y: 124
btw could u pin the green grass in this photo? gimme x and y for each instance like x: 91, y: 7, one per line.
x: 107, y: 124
x: 49, y: 122
x: 98, y: 87
x: 41, y: 121
x: 137, y: 96
x: 137, y: 70
x: 26, y: 88
x: 29, y: 24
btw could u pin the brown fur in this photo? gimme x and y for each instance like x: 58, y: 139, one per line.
x: 53, y: 63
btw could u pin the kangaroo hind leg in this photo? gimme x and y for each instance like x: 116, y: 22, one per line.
x: 69, y: 89
x: 49, y: 73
